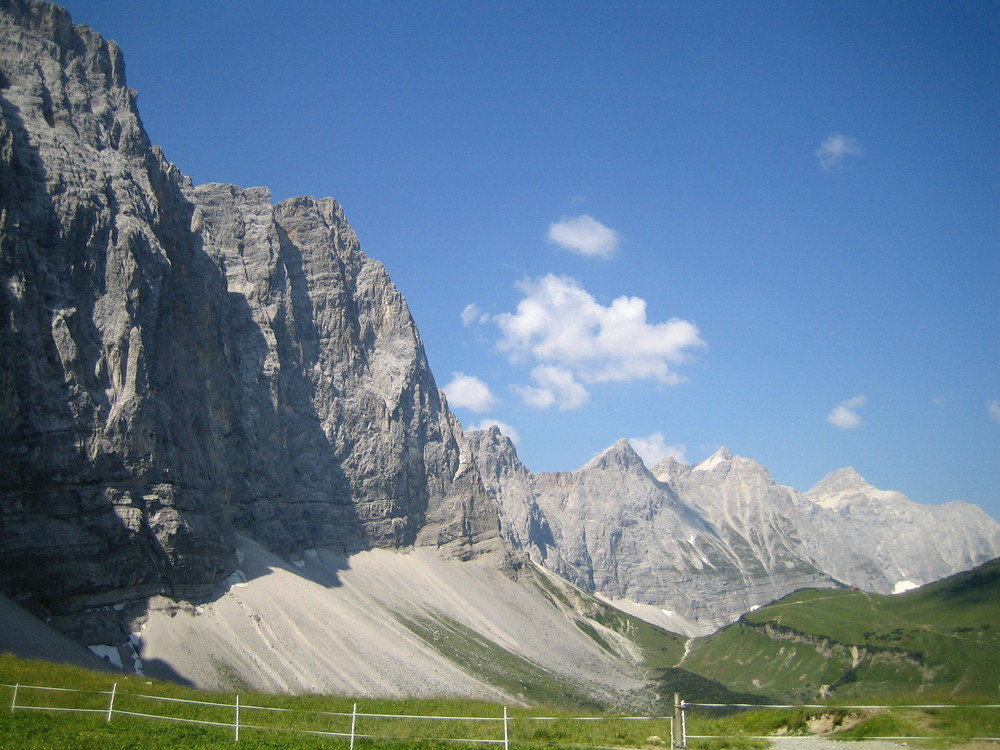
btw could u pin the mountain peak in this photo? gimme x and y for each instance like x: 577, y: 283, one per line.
x: 669, y: 468
x: 721, y: 456
x: 841, y: 480
x: 620, y: 454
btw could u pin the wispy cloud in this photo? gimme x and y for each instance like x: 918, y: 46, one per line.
x: 835, y: 147
x: 654, y: 448
x: 505, y: 429
x: 584, y: 235
x: 845, y: 414
x: 472, y: 313
x: 994, y: 409
x: 469, y: 392
x: 572, y: 339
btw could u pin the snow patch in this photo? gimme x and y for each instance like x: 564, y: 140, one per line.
x: 108, y: 652
x: 902, y: 586
x: 236, y: 579
x: 719, y: 457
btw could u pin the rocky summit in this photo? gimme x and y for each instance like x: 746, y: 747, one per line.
x: 190, y: 372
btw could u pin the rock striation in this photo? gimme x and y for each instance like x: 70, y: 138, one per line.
x: 183, y: 363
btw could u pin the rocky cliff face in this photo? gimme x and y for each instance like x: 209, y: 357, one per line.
x: 181, y: 363
x: 712, y: 541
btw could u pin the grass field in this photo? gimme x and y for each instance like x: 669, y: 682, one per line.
x: 36, y: 730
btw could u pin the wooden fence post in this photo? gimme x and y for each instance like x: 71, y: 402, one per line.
x: 678, y: 728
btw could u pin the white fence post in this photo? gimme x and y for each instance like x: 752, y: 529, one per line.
x: 237, y: 718
x: 506, y: 737
x: 111, y: 703
x: 354, y: 721
x: 13, y: 703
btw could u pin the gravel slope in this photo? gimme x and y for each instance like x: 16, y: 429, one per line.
x: 337, y: 625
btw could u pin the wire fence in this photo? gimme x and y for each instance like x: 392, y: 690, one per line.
x: 685, y: 707
x: 348, y: 728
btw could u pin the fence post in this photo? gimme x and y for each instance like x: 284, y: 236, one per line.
x: 354, y: 721
x: 678, y: 730
x: 237, y: 718
x: 506, y: 736
x: 111, y: 704
x: 13, y: 703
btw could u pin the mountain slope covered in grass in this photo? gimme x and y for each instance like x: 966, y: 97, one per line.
x: 943, y: 638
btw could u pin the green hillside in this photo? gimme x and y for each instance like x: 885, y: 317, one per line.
x: 942, y: 639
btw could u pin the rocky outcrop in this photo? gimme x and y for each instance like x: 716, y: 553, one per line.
x: 184, y: 362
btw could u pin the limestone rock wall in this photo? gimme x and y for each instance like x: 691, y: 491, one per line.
x: 182, y: 363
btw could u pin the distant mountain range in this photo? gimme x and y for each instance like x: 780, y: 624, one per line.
x: 709, y: 542
x: 197, y: 383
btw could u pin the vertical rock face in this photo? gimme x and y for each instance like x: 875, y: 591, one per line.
x: 181, y: 363
x: 115, y: 415
x: 354, y: 444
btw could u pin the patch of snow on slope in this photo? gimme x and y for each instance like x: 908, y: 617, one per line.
x: 108, y: 652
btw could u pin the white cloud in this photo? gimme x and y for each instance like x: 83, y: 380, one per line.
x: 654, y: 448
x: 835, y: 147
x: 471, y: 313
x: 845, y: 414
x: 556, y: 386
x: 505, y: 429
x: 584, y: 235
x: 575, y: 340
x: 994, y: 408
x: 469, y: 392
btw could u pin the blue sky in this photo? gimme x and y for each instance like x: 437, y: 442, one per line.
x: 766, y: 225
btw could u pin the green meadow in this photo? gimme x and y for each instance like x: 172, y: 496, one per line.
x: 941, y: 639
